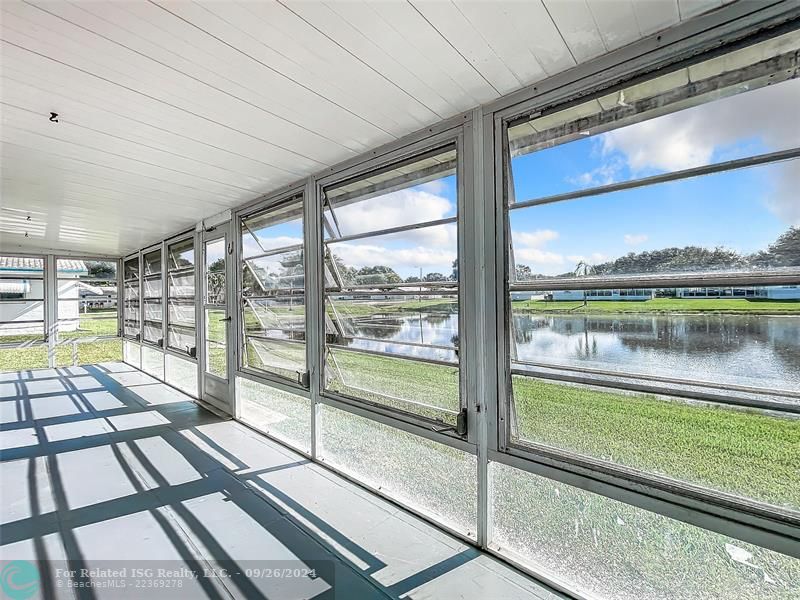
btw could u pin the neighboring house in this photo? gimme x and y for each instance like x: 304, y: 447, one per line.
x: 779, y: 292
x: 22, y: 293
x: 580, y: 295
x: 97, y: 296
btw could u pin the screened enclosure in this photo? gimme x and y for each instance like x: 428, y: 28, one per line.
x: 564, y: 326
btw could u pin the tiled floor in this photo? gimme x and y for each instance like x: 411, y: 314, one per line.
x: 104, y: 467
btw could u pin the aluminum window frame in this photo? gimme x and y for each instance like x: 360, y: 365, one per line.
x: 439, y: 431
x: 159, y: 247
x: 710, y: 35
x: 177, y: 239
x: 210, y: 236
x: 119, y: 305
x: 138, y: 257
x: 271, y: 202
x: 48, y: 306
x: 736, y: 516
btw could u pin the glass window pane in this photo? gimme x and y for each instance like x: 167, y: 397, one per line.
x: 689, y: 118
x: 181, y: 332
x: 131, y: 307
x: 215, y: 272
x: 153, y: 292
x: 391, y: 287
x: 624, y: 346
x: 21, y: 303
x: 606, y: 549
x: 132, y: 354
x: 273, y: 290
x: 284, y: 416
x: 732, y: 336
x: 216, y: 342
x: 435, y: 479
x: 735, y: 221
x: 153, y: 362
x: 740, y: 451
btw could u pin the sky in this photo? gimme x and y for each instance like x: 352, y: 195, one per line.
x: 744, y: 210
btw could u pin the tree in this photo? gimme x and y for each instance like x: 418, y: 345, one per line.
x: 672, y: 260
x: 433, y: 277
x: 215, y: 275
x: 377, y: 274
x: 101, y: 269
x: 413, y: 279
x: 454, y: 274
x: 784, y: 252
x: 523, y: 273
x: 347, y: 274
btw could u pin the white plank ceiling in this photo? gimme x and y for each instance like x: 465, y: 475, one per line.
x: 172, y: 111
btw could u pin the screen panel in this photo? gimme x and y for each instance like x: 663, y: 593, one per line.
x: 391, y: 287
x: 653, y: 311
x: 153, y: 298
x: 181, y: 272
x: 273, y: 291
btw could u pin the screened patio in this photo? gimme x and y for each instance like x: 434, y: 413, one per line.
x: 400, y: 300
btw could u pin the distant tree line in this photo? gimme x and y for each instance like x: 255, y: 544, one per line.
x: 784, y: 252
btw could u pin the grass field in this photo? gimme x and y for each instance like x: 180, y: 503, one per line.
x: 738, y: 451
x: 93, y: 324
x: 663, y: 305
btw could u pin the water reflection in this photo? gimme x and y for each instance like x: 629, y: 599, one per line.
x: 755, y: 350
x: 749, y: 349
x: 420, y: 334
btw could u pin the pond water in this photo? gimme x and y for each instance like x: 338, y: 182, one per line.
x: 754, y: 350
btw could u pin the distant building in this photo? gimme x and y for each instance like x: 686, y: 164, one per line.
x: 22, y: 293
x: 580, y: 295
x: 778, y: 292
x: 97, y: 296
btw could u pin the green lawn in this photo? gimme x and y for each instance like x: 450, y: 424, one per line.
x: 93, y: 324
x: 738, y: 451
x: 663, y: 305
x: 384, y: 376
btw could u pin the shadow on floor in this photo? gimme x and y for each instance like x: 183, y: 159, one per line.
x: 104, y: 467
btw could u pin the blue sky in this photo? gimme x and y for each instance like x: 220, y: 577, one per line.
x: 744, y: 210
x: 727, y: 209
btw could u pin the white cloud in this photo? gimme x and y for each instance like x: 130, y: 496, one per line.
x: 592, y: 259
x: 605, y: 174
x: 403, y: 207
x: 781, y: 196
x: 432, y: 248
x: 709, y: 132
x: 365, y: 254
x: 634, y: 239
x: 534, y: 239
x: 690, y: 137
x: 528, y: 249
x: 533, y: 257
